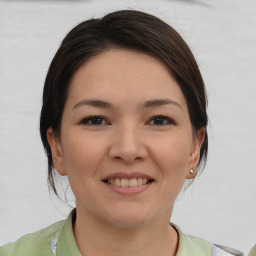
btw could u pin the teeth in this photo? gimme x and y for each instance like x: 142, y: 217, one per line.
x: 139, y: 181
x: 124, y: 183
x: 128, y: 182
x: 133, y: 182
x: 117, y: 182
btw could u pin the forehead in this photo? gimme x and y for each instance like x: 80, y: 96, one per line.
x: 120, y: 75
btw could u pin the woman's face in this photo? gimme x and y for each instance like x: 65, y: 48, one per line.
x: 126, y: 140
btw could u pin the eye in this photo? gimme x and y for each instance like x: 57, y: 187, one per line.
x: 161, y: 120
x: 94, y: 120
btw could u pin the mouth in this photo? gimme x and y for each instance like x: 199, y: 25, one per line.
x: 132, y: 182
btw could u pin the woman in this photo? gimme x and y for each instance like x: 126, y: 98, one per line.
x: 124, y: 117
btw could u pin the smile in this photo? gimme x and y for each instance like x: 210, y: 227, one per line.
x: 133, y: 182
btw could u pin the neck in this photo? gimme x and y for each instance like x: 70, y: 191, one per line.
x: 94, y: 237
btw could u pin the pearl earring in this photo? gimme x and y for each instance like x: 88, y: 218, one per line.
x: 191, y: 171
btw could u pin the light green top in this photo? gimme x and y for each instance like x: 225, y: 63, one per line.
x: 253, y: 251
x: 42, y: 243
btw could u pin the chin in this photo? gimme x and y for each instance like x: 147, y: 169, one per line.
x: 129, y: 219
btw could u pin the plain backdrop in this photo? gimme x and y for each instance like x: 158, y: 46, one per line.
x: 220, y: 206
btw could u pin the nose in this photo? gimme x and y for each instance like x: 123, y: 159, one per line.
x: 127, y: 145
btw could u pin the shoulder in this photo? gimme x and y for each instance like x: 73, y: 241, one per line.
x: 37, y: 243
x: 253, y: 251
x: 192, y: 246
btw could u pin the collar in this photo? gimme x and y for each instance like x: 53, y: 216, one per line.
x: 66, y: 244
x: 192, y: 246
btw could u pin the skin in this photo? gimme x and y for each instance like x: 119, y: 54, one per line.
x: 127, y: 139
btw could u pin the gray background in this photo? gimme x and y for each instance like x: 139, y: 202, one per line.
x: 220, y: 206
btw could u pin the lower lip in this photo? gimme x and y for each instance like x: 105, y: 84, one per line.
x: 129, y: 191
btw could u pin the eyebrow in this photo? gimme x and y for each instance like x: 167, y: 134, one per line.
x: 94, y: 103
x: 160, y: 102
x: 146, y: 104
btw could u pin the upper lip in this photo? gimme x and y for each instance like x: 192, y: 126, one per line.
x: 124, y: 175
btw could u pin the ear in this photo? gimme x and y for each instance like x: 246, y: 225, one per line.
x: 57, y: 154
x: 195, y: 152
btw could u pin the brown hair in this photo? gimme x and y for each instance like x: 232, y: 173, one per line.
x: 126, y: 29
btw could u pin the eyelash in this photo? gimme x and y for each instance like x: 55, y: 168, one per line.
x: 91, y: 118
x: 166, y: 120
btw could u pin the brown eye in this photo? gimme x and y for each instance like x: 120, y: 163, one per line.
x: 161, y: 120
x: 94, y: 120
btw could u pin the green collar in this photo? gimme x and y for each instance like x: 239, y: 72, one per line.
x: 188, y: 245
x: 192, y: 246
x: 66, y: 244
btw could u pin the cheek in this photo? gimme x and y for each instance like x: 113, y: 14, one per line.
x: 173, y: 154
x: 172, y: 158
x: 82, y: 155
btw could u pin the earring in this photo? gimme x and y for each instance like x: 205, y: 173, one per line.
x: 191, y: 171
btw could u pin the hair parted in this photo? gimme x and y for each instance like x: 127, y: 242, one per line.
x: 125, y: 29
